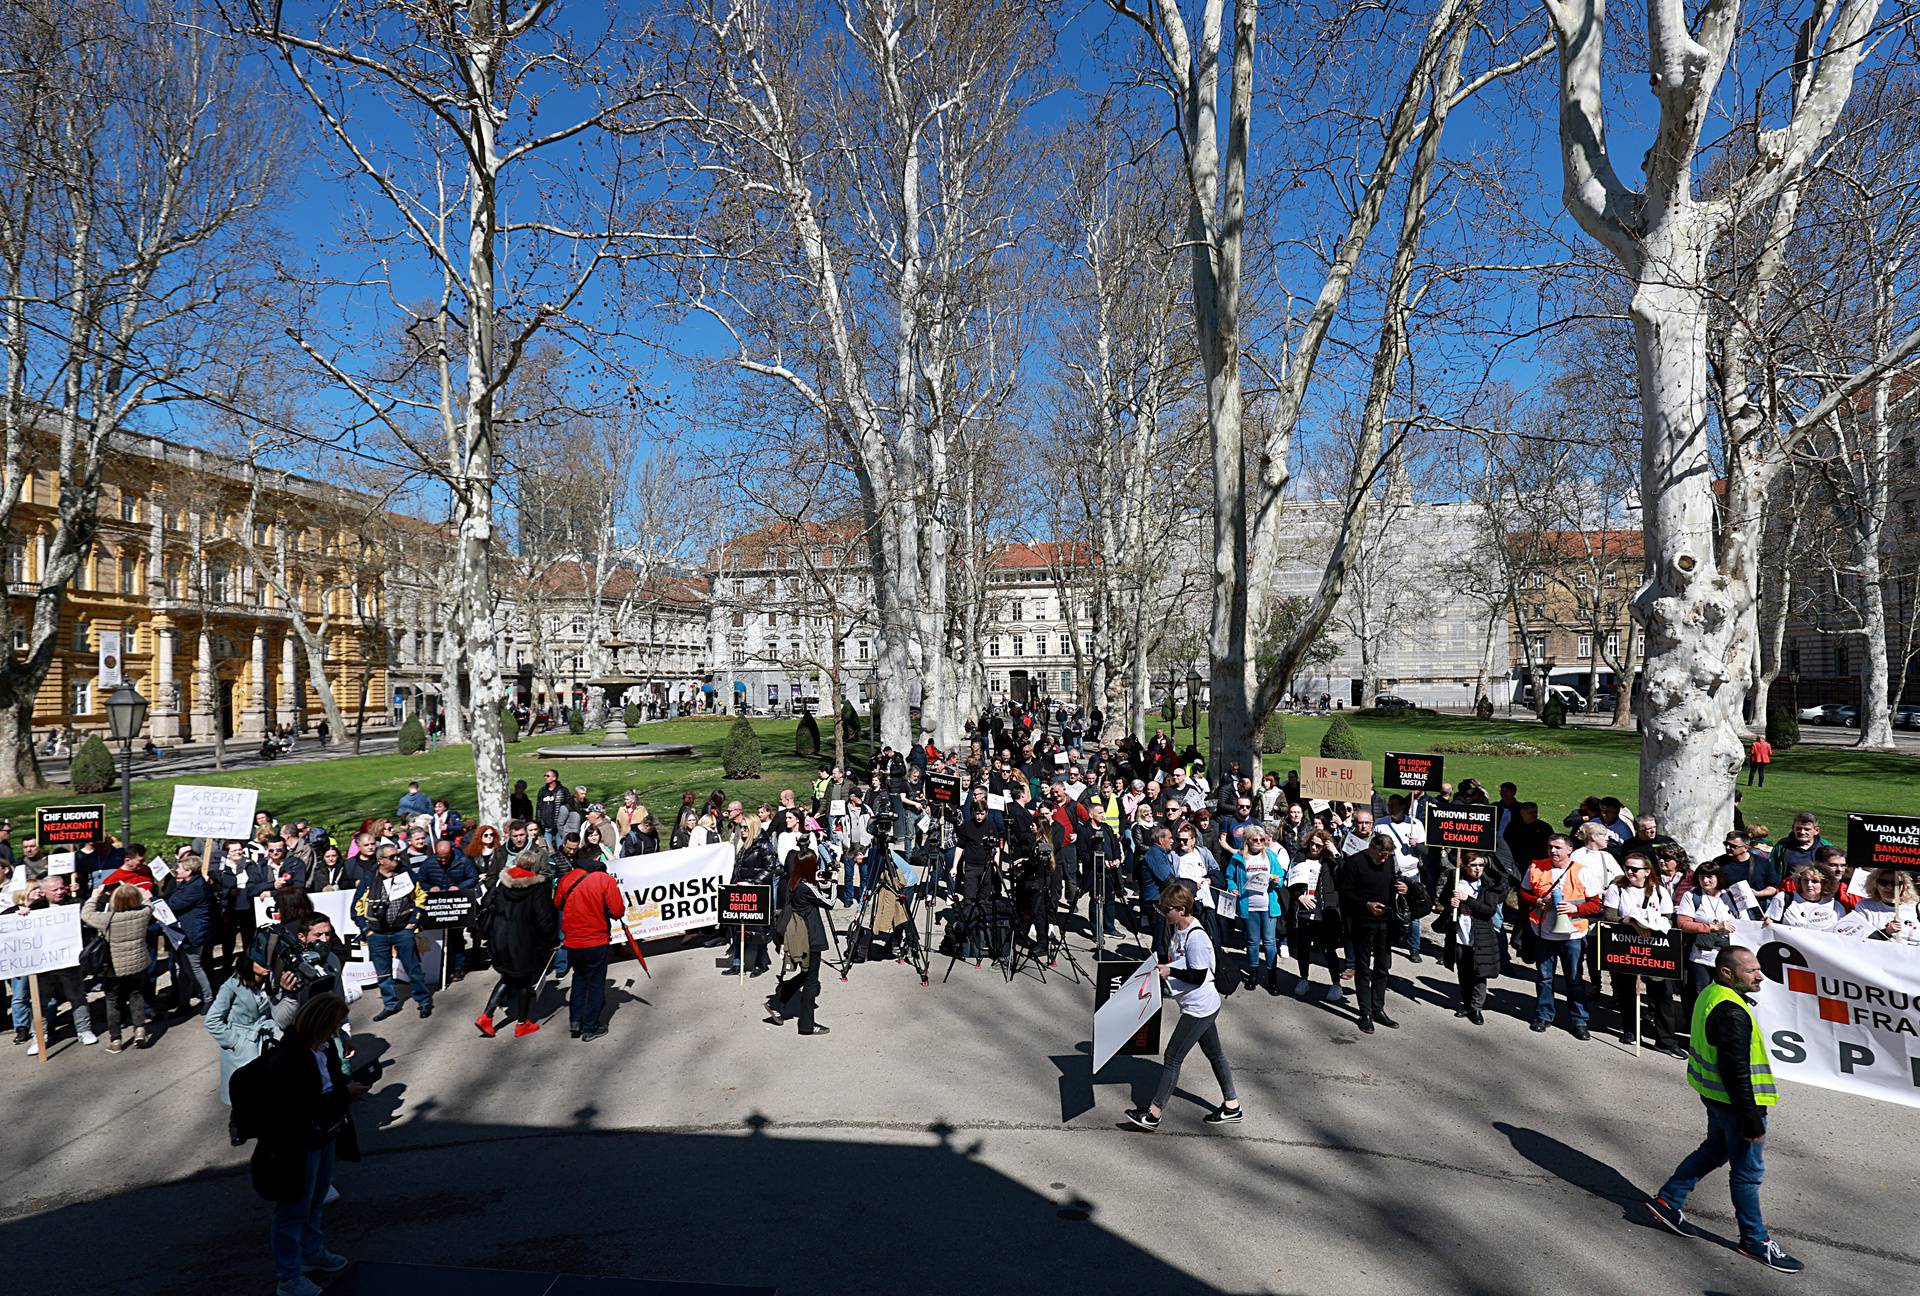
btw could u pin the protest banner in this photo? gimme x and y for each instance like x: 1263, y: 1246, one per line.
x: 447, y: 908
x: 1838, y: 1012
x: 1413, y: 771
x: 1467, y: 828
x: 1634, y: 953
x: 1336, y: 780
x: 212, y: 811
x: 69, y: 825
x: 1126, y: 1009
x: 746, y: 905
x: 39, y: 940
x: 672, y: 891
x: 1876, y: 841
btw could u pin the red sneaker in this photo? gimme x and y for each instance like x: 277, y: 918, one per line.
x: 485, y: 1022
x: 524, y: 1028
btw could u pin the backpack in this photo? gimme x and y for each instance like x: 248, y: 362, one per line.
x: 252, y: 1100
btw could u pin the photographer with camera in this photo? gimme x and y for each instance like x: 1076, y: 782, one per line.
x: 300, y: 959
x: 977, y: 850
x: 387, y: 907
x: 1030, y: 847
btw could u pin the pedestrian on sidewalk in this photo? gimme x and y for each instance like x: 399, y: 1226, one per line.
x: 1727, y: 1065
x: 1188, y: 974
x: 1759, y: 756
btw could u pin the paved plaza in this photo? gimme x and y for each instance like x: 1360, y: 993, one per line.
x: 948, y: 1139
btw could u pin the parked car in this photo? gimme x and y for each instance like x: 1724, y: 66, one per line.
x: 1840, y: 713
x: 1906, y: 717
x: 1810, y: 714
x: 1392, y: 702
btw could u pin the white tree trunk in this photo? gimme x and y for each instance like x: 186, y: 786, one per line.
x: 1695, y: 674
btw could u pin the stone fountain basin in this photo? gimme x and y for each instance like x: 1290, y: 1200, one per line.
x: 628, y: 751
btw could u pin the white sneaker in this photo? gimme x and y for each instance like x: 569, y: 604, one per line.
x: 333, y: 1195
x: 88, y: 1037
x: 33, y: 1048
x: 1335, y: 995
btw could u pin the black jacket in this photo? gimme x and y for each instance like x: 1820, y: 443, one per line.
x: 546, y: 802
x: 1730, y: 1031
x: 519, y: 923
x: 1484, y: 948
x: 299, y: 1118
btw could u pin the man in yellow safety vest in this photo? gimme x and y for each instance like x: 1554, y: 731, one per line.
x: 1727, y: 1065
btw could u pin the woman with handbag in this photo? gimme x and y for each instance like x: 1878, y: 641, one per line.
x: 127, y: 925
x: 1475, y: 945
x: 1706, y: 914
x: 804, y: 942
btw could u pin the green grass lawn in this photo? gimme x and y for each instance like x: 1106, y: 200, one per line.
x: 341, y: 793
x: 1827, y: 780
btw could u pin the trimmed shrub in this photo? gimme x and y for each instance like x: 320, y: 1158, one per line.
x: 631, y: 714
x: 576, y: 721
x: 849, y: 721
x: 740, y: 758
x: 1555, y: 716
x: 1401, y: 713
x: 1339, y: 742
x: 1783, y: 726
x: 1273, y: 735
x: 510, y: 726
x: 92, y: 767
x: 1483, y: 709
x: 413, y: 736
x: 1504, y: 747
x: 806, y: 736
x: 1166, y: 709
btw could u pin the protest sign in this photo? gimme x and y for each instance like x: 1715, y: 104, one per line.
x: 1633, y: 953
x: 671, y: 891
x: 1126, y: 1009
x: 1413, y: 772
x: 1838, y: 1012
x: 1877, y: 841
x: 746, y: 906
x: 69, y: 825
x: 60, y: 864
x: 1468, y: 828
x: 212, y: 811
x: 39, y: 940
x: 447, y: 908
x: 1336, y: 780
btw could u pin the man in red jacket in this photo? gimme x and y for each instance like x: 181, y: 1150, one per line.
x: 588, y: 901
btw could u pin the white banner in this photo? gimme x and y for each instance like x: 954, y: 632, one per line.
x: 110, y: 676
x: 212, y: 811
x: 338, y: 905
x: 671, y: 891
x: 1133, y: 1003
x: 1839, y: 1012
x: 40, y: 940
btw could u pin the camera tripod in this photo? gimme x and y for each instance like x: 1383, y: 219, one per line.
x: 885, y: 875
x: 984, y: 911
x: 1053, y: 948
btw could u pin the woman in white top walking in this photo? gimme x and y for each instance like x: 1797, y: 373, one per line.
x: 1188, y: 973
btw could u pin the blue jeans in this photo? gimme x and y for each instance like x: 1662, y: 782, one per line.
x: 588, y: 997
x: 1565, y: 953
x: 22, y: 1003
x: 296, y: 1224
x: 381, y: 947
x: 1724, y: 1145
x: 1262, y: 940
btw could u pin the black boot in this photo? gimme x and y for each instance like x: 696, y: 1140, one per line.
x: 1273, y: 981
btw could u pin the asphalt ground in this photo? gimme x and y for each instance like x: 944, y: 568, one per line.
x: 949, y: 1138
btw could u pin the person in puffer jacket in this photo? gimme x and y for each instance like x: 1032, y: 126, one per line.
x: 521, y: 928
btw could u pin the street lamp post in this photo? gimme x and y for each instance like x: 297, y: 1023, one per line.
x: 1193, y: 703
x: 126, y: 712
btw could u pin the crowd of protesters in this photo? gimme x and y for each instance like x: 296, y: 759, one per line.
x: 1043, y: 820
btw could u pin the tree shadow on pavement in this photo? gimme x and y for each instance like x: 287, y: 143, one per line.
x: 753, y: 1207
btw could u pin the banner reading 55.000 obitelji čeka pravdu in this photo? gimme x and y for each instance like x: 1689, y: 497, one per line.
x: 1839, y: 1012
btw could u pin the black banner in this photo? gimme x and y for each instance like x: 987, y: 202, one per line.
x: 943, y: 789
x: 447, y: 908
x: 1109, y: 975
x: 746, y: 906
x: 1413, y: 772
x: 59, y: 827
x: 1467, y: 828
x: 1661, y: 955
x: 1883, y: 841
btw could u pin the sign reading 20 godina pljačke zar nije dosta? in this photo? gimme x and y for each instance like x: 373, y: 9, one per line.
x: 1877, y: 841
x: 1466, y: 828
x: 1413, y: 771
x: 1336, y: 780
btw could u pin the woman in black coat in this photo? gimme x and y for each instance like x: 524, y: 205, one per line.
x: 300, y: 1108
x: 800, y: 993
x: 1473, y: 901
x: 521, y: 928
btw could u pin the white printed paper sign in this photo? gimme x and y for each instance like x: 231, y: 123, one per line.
x: 212, y: 811
x: 39, y: 940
